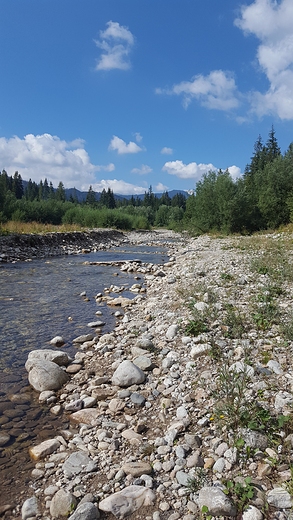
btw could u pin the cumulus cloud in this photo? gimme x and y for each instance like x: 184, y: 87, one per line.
x: 167, y: 151
x: 116, y: 43
x: 272, y: 23
x: 120, y: 187
x: 160, y: 187
x: 121, y: 147
x: 234, y: 171
x: 143, y: 170
x: 194, y: 170
x: 40, y: 156
x: 216, y: 91
x: 187, y: 171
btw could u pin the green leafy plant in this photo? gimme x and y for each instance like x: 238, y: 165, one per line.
x: 195, y: 327
x: 240, y: 493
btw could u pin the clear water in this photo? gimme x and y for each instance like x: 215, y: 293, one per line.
x: 38, y: 297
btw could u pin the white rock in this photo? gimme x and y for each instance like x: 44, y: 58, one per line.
x: 279, y: 498
x: 29, y: 508
x: 62, y: 504
x: 46, y: 375
x: 252, y: 513
x: 127, y: 501
x: 128, y: 374
x: 43, y: 449
x: 172, y: 331
x: 216, y: 501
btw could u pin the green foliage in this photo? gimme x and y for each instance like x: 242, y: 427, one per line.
x: 235, y: 322
x: 241, y: 493
x: 200, y: 479
x: 196, y: 326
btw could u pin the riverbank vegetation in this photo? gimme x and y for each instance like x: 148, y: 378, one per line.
x: 261, y: 199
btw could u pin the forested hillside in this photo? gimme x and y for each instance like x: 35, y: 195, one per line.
x: 261, y: 199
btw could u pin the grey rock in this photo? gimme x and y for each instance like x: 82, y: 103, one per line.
x: 252, y: 513
x: 46, y: 375
x: 255, y: 439
x: 57, y: 341
x: 55, y: 356
x: 137, y: 399
x: 172, y: 331
x: 29, y: 508
x: 143, y: 362
x: 182, y: 478
x: 85, y: 511
x: 219, y: 465
x: 216, y: 501
x: 145, y: 343
x: 279, y: 498
x: 128, y: 374
x: 127, y: 501
x: 83, y: 338
x: 96, y: 324
x: 62, y: 504
x: 4, y: 438
x: 78, y: 462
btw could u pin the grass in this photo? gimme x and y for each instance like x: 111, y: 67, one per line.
x: 14, y: 227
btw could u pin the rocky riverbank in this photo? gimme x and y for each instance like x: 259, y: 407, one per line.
x: 16, y: 247
x: 184, y: 410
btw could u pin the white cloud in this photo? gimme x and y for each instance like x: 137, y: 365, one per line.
x: 167, y: 151
x: 194, y: 170
x: 119, y: 187
x: 187, y: 171
x: 272, y: 23
x: 234, y: 171
x: 143, y: 170
x: 40, y: 156
x: 121, y: 147
x: 116, y: 43
x: 216, y: 91
x: 138, y: 137
x: 160, y: 187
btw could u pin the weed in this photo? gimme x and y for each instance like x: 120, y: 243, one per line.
x: 227, y: 276
x: 288, y: 485
x: 215, y: 351
x: 240, y: 493
x: 196, y: 326
x: 234, y: 322
x: 200, y: 479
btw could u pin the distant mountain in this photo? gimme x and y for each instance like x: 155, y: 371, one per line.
x: 81, y: 195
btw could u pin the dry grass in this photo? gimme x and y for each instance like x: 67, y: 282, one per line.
x: 36, y: 227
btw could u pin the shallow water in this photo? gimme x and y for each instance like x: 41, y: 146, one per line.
x: 36, y: 300
x: 38, y: 297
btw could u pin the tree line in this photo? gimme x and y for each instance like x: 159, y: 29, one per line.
x: 262, y: 198
x: 46, y: 204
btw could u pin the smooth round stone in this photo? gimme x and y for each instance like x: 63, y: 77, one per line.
x: 4, y: 438
x: 73, y: 369
x: 137, y: 399
x: 12, y: 414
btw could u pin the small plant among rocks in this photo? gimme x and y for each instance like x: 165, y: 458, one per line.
x: 240, y: 492
x: 199, y: 480
x: 195, y: 327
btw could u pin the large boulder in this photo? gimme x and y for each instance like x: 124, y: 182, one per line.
x: 46, y: 375
x: 56, y: 356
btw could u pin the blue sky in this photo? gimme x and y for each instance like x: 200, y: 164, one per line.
x: 131, y: 93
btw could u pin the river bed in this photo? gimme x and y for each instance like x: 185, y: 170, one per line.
x: 41, y: 299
